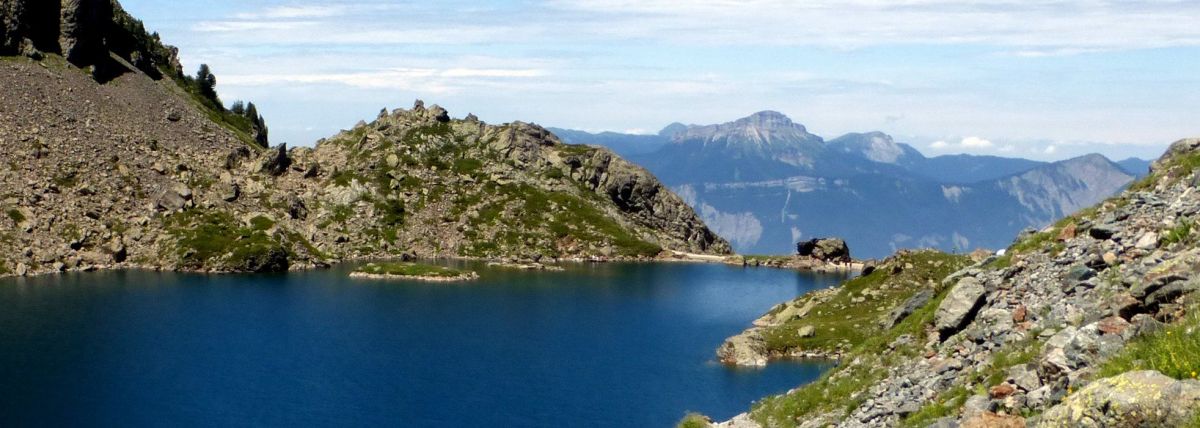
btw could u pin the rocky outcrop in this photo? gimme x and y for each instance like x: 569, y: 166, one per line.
x: 825, y: 249
x: 85, y: 32
x: 958, y: 308
x: 1133, y: 399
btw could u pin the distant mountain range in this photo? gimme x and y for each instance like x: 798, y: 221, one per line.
x: 764, y: 182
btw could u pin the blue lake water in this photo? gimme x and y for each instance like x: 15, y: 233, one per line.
x: 627, y: 345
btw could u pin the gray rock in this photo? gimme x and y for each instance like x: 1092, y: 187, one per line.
x: 807, y: 331
x: 1148, y: 241
x: 1171, y: 292
x: 1104, y: 231
x: 439, y: 114
x: 1080, y: 273
x: 278, y: 162
x: 899, y: 313
x: 825, y: 249
x: 230, y: 191
x: 959, y: 306
x: 1140, y: 398
x: 1024, y: 377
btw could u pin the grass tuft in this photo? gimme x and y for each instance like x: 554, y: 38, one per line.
x: 1174, y: 351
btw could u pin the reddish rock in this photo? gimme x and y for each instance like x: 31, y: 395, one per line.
x: 1019, y: 314
x: 1001, y: 391
x: 1113, y: 325
x: 1067, y: 233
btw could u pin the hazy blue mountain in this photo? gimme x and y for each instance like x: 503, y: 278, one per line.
x: 972, y: 168
x: 764, y: 182
x: 1138, y: 167
x: 877, y: 147
x: 626, y: 145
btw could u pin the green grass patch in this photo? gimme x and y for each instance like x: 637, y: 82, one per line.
x: 410, y: 269
x: 947, y: 403
x: 214, y: 239
x: 261, y: 223
x: 16, y: 215
x: 1174, y: 351
x: 845, y: 387
x: 1178, y: 234
x: 842, y: 320
x: 693, y: 420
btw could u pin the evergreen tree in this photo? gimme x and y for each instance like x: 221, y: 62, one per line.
x: 238, y: 108
x: 258, y: 125
x: 206, y: 82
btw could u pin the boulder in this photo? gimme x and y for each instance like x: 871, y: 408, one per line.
x: 899, y: 313
x: 807, y: 331
x: 277, y: 162
x: 959, y: 306
x: 1148, y: 241
x: 746, y: 349
x: 439, y: 114
x: 1133, y: 399
x: 230, y: 191
x: 175, y: 198
x: 825, y: 249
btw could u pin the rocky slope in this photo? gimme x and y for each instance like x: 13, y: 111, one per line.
x: 1086, y: 323
x: 131, y: 169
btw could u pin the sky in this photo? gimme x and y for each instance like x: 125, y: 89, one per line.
x: 1045, y: 80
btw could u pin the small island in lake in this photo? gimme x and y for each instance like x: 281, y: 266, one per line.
x: 412, y: 271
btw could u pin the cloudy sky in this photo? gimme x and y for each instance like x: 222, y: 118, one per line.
x: 1039, y: 79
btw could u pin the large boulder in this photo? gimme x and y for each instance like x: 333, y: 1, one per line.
x: 959, y: 306
x: 902, y: 311
x: 825, y: 249
x: 277, y: 161
x: 1134, y: 399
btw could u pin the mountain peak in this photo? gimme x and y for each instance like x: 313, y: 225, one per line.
x: 769, y: 119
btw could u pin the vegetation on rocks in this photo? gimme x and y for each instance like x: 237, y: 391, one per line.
x: 214, y: 239
x: 1076, y: 323
x: 1173, y: 351
x: 410, y: 270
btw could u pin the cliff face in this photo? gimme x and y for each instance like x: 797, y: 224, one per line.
x: 86, y: 33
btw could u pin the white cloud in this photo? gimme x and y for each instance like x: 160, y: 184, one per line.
x: 1051, y: 149
x: 975, y: 143
x: 292, y: 12
x: 939, y: 145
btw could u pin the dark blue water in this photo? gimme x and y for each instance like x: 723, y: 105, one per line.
x: 600, y: 345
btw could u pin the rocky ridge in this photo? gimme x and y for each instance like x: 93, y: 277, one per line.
x: 133, y: 170
x: 1028, y: 338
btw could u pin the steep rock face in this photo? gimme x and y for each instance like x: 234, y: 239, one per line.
x: 83, y: 24
x: 85, y: 32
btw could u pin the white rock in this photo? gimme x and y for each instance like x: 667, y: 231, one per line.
x: 1148, y: 241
